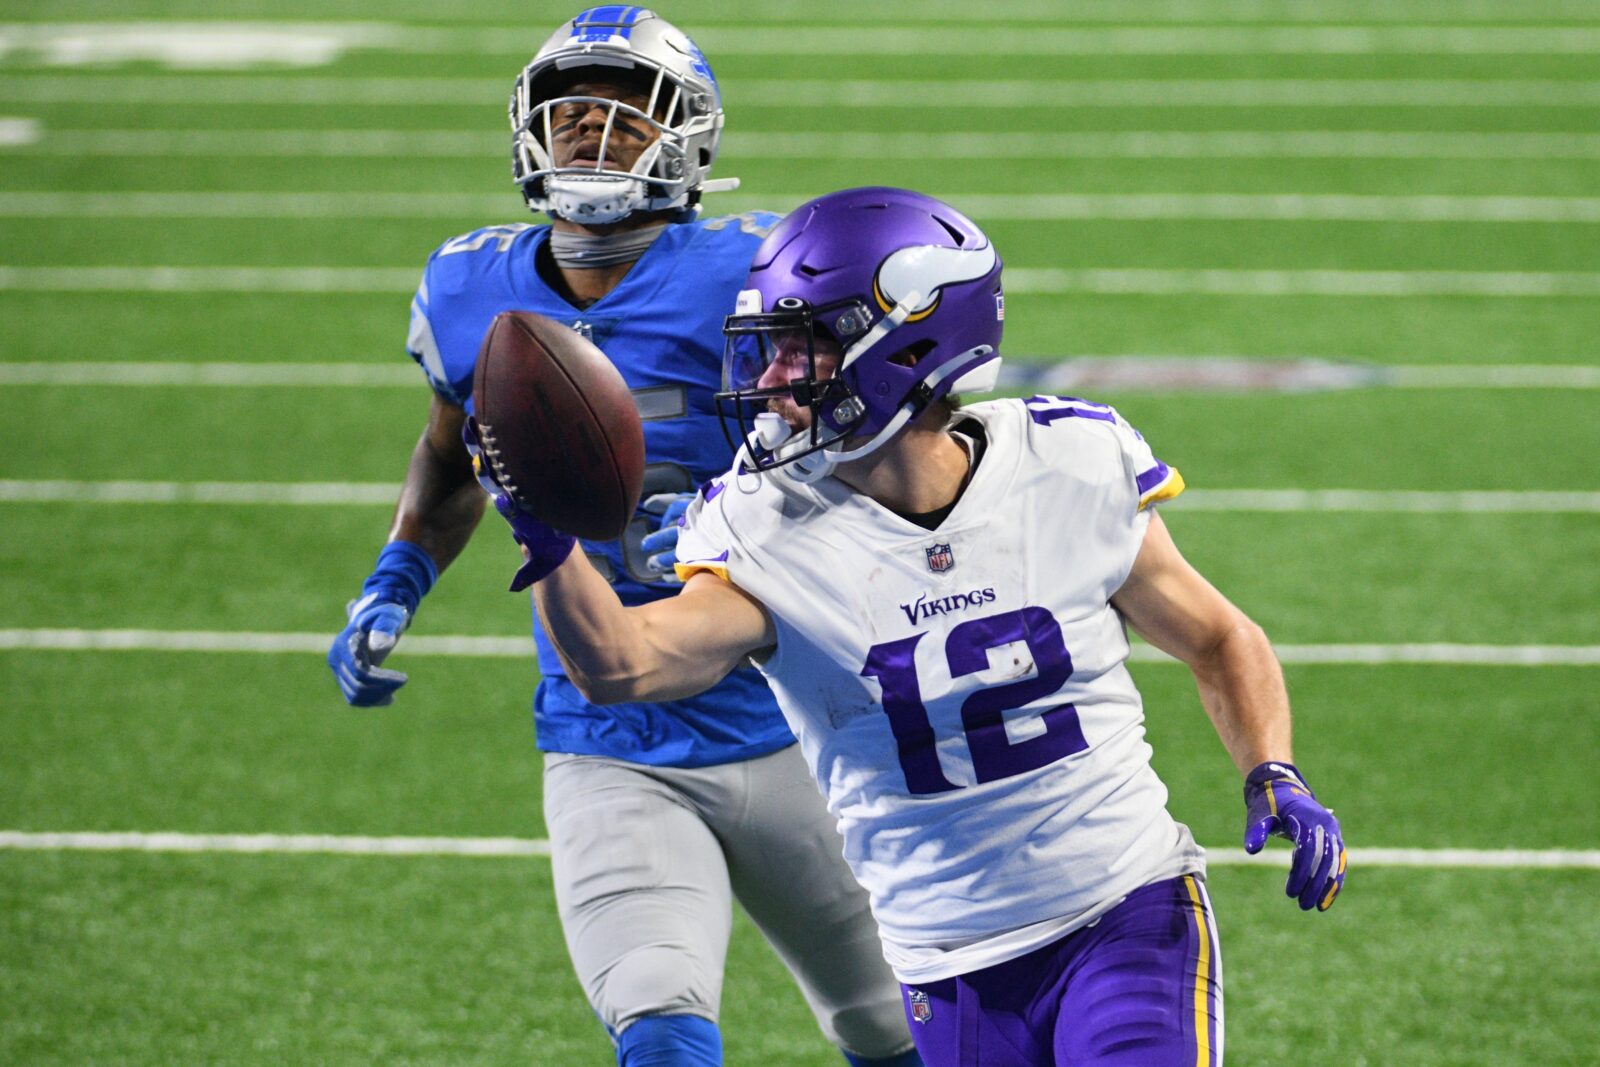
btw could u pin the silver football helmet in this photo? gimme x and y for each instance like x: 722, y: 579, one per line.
x: 636, y: 47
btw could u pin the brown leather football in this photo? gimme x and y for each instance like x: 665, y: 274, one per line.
x: 559, y: 426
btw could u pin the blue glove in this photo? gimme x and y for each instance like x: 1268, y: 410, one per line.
x: 662, y: 545
x: 403, y: 576
x: 1279, y: 803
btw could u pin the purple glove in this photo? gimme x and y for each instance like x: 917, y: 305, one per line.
x: 544, y: 548
x: 1279, y: 803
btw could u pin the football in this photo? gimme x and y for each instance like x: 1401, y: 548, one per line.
x: 559, y: 426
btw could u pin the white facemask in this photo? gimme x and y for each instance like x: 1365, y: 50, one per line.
x: 594, y: 200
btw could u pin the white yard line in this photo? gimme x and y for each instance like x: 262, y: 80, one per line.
x: 273, y: 493
x: 1121, y: 12
x: 347, y: 375
x: 19, y: 133
x: 874, y: 95
x: 233, y: 43
x: 1436, y: 502
x: 62, y: 491
x: 26, y: 136
x: 1254, y: 207
x: 1331, y: 283
x: 1079, y: 374
x: 259, y: 844
x: 1050, y: 281
x: 211, y: 641
x: 336, y: 280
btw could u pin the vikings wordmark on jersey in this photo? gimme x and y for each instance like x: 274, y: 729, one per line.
x: 961, y: 693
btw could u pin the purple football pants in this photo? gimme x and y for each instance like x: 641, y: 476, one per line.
x: 1142, y: 987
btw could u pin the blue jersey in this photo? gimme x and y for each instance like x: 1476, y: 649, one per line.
x: 662, y: 327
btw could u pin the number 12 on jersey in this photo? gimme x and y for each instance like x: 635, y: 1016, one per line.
x: 966, y: 649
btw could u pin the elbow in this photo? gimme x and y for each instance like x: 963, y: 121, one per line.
x: 1239, y: 646
x: 604, y: 689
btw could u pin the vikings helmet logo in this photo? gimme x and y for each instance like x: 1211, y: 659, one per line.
x: 927, y: 269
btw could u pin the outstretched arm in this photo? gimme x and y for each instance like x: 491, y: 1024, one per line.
x: 1169, y: 604
x: 664, y: 650
x: 1241, y: 686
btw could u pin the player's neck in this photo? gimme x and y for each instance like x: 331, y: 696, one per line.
x: 921, y: 470
x: 582, y: 286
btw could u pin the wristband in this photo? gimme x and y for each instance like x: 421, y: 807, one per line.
x: 403, y: 575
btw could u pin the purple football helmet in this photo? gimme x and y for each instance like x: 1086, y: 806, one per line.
x: 864, y: 306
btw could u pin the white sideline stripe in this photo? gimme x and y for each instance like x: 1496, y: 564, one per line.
x: 65, y: 640
x: 75, y: 42
x: 255, y: 844
x: 990, y: 207
x: 322, y: 92
x: 62, y: 491
x: 349, y: 375
x: 1042, y: 280
x: 968, y: 144
x: 1157, y: 373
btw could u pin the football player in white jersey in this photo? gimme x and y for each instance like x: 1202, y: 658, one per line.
x: 938, y: 597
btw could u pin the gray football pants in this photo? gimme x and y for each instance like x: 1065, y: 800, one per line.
x: 647, y: 861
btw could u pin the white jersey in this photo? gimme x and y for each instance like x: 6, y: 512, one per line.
x: 960, y: 694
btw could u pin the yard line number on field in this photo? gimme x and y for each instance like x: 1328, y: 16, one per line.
x: 256, y: 844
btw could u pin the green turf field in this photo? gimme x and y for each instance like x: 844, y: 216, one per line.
x: 333, y: 171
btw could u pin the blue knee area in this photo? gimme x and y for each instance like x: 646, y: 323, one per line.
x: 908, y: 1058
x: 670, y: 1041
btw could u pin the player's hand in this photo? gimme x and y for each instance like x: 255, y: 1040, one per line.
x: 662, y: 545
x: 544, y: 548
x: 374, y: 628
x: 1279, y: 804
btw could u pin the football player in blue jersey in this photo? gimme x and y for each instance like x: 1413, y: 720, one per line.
x: 659, y: 814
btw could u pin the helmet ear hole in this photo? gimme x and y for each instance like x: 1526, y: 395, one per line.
x: 911, y: 355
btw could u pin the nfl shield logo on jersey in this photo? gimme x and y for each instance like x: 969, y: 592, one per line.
x: 940, y: 558
x: 921, y: 1010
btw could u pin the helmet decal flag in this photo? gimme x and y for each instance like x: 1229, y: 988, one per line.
x: 926, y: 269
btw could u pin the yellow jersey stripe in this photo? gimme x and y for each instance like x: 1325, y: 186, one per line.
x: 1202, y: 976
x: 686, y: 571
x: 1165, y: 491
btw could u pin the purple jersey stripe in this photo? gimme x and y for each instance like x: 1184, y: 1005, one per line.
x: 1153, y: 477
